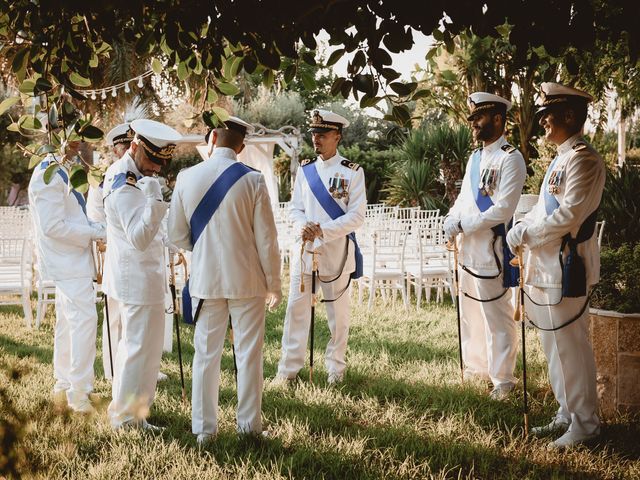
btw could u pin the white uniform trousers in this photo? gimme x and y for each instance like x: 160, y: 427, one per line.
x: 137, y: 362
x: 115, y: 325
x: 247, y: 319
x: 74, y: 349
x: 489, y: 333
x: 298, y: 319
x: 572, y: 369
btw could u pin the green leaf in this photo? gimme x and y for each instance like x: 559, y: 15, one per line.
x: 401, y: 114
x: 390, y: 74
x: 221, y: 113
x: 449, y: 75
x: 156, y: 66
x: 79, y: 80
x: 308, y: 81
x: 183, y: 73
x: 7, y: 103
x: 290, y: 73
x: 268, y: 78
x: 77, y: 177
x: 431, y: 53
x: 29, y: 122
x: 336, y: 87
x: 34, y: 160
x: 400, y: 88
x: 235, y: 66
x: 90, y: 133
x: 44, y: 149
x: 335, y: 56
x: 19, y: 59
x: 212, y: 95
x: 228, y: 89
x: 13, y: 127
x: 50, y: 172
x: 53, y: 116
x: 309, y: 58
x: 93, y: 62
x: 421, y: 94
x: 27, y: 87
x: 42, y: 85
x: 437, y: 35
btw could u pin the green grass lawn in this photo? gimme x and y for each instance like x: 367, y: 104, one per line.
x: 402, y: 412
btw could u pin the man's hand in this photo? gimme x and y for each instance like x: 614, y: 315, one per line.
x: 311, y: 231
x: 99, y: 233
x: 515, y: 237
x: 273, y: 300
x: 451, y: 228
x: 150, y: 186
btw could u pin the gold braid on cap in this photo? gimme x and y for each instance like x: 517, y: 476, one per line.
x: 550, y: 101
x: 481, y: 106
x: 123, y: 138
x: 162, y: 153
x: 319, y: 122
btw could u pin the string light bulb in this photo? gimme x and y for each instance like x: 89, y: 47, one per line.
x: 104, y: 95
x: 113, y: 92
x: 93, y: 95
x: 126, y: 88
x: 140, y: 84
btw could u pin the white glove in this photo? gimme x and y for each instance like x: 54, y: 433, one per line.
x: 173, y: 250
x: 451, y: 228
x: 99, y: 232
x: 273, y: 300
x: 515, y: 237
x: 150, y: 186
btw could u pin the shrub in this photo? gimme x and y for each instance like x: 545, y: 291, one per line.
x: 619, y: 289
x: 620, y: 206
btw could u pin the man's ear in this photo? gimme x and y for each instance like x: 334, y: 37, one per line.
x: 569, y: 117
x: 241, y: 148
x: 212, y: 142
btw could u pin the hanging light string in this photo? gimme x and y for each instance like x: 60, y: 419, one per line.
x: 94, y: 92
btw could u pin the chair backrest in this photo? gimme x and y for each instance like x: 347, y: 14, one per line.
x: 405, y: 213
x: 389, y: 247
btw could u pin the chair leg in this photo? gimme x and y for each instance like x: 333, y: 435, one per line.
x: 372, y: 290
x: 39, y: 313
x: 419, y: 292
x: 360, y: 291
x: 26, y: 307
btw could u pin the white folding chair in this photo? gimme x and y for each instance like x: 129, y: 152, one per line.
x: 15, y: 274
x: 432, y: 269
x: 384, y: 267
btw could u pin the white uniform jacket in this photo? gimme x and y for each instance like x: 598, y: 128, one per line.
x: 304, y: 207
x: 580, y: 192
x: 509, y: 173
x: 63, y: 234
x: 134, y: 265
x: 95, y: 205
x: 237, y: 254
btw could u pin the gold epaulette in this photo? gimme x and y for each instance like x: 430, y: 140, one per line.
x: 351, y: 165
x: 131, y: 179
x: 579, y: 146
x: 307, y: 161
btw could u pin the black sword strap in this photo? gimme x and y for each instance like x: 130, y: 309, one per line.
x: 568, y: 322
x: 198, y: 308
x: 481, y: 300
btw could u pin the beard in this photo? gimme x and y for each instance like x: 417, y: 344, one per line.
x: 484, y: 133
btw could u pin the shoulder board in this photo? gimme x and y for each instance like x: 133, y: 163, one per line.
x: 579, y: 146
x: 131, y: 179
x: 508, y: 148
x: 351, y: 165
x: 307, y: 161
x: 251, y: 168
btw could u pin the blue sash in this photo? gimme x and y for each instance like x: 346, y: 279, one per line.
x: 574, y: 273
x: 202, y: 215
x: 329, y: 204
x: 65, y: 179
x: 510, y: 274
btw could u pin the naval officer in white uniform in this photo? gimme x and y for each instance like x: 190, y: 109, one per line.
x: 119, y: 138
x: 235, y: 267
x: 135, y: 270
x: 490, y: 191
x: 563, y: 224
x: 64, y: 236
x: 344, y: 185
